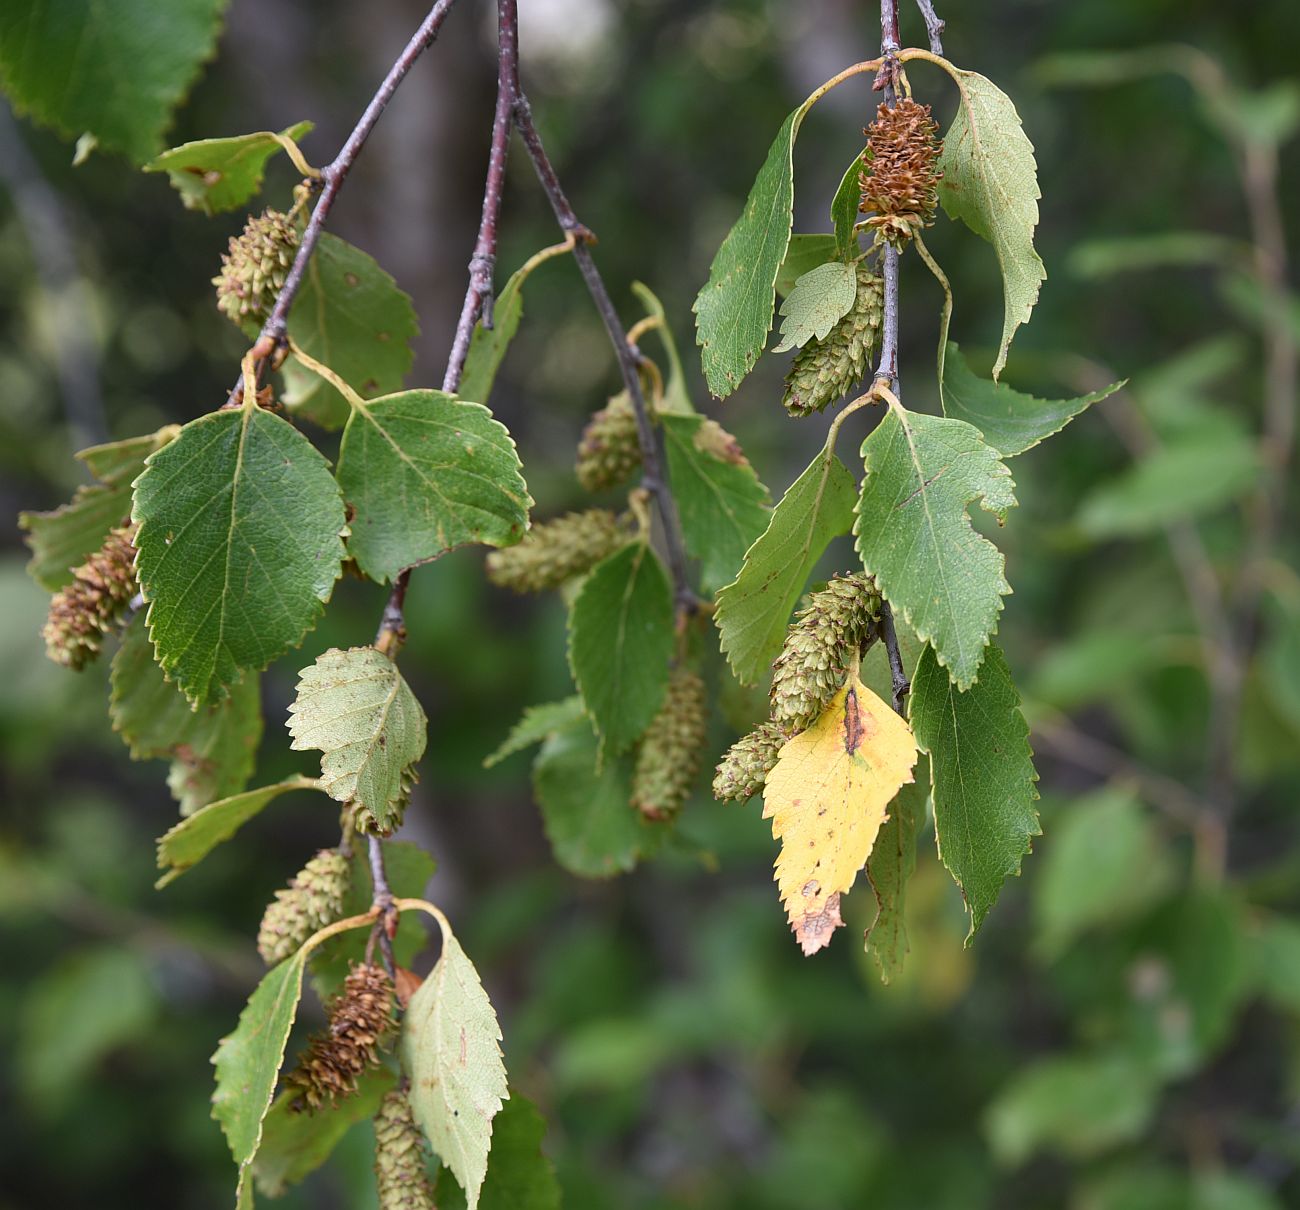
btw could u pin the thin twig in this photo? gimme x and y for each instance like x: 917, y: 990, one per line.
x: 653, y: 479
x: 331, y: 180
x: 901, y: 686
x: 933, y: 26
x: 382, y: 898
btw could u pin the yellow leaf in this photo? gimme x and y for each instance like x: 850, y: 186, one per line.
x: 826, y: 799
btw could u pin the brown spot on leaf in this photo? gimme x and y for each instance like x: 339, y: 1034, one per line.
x: 853, y: 729
x: 813, y: 930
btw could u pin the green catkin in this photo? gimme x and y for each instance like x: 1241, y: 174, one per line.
x: 822, y: 641
x: 400, y: 1157
x: 254, y: 269
x: 83, y: 613
x: 668, y: 760
x: 609, y: 453
x: 313, y: 899
x: 555, y: 551
x: 743, y: 770
x: 825, y: 370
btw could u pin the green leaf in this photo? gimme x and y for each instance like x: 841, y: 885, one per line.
x: 1079, y: 1106
x: 248, y: 1060
x: 213, y: 175
x: 914, y: 534
x: 295, y: 1144
x: 211, y: 750
x: 723, y: 506
x: 351, y: 316
x: 844, y: 209
x: 990, y: 182
x: 805, y: 252
x: 820, y: 299
x: 1103, y: 863
x: 519, y: 1175
x: 1198, y: 473
x: 982, y: 775
x: 1009, y: 420
x: 754, y: 610
x: 116, y: 71
x: 450, y: 1049
x: 356, y: 708
x: 892, y: 860
x: 734, y: 308
x: 677, y: 398
x: 191, y: 840
x: 586, y: 804
x: 537, y: 724
x: 409, y: 869
x: 426, y: 472
x: 239, y: 546
x: 620, y: 642
x: 64, y: 538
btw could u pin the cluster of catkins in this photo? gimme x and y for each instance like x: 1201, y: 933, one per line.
x: 254, y: 269
x: 899, y: 184
x: 84, y: 613
x: 824, y: 640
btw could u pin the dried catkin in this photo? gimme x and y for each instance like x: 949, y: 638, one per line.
x: 900, y: 183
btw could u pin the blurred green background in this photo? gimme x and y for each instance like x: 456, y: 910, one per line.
x: 1125, y: 1032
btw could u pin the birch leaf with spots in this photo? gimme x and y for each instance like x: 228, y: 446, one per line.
x: 914, y: 534
x: 990, y: 181
x: 351, y: 316
x: 356, y: 708
x: 240, y: 542
x: 426, y: 472
x: 827, y: 797
x: 982, y: 775
x: 450, y: 1049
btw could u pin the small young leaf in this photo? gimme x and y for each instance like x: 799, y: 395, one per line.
x: 915, y: 537
x: 357, y: 709
x: 519, y: 1175
x: 426, y: 472
x: 754, y: 610
x: 295, y: 1144
x: 734, y: 308
x: 892, y: 860
x: 723, y: 506
x: 1010, y: 421
x: 64, y: 538
x: 240, y: 542
x: 536, y: 724
x: 213, y: 175
x: 450, y: 1048
x: 586, y: 806
x: 351, y: 316
x: 826, y: 797
x: 115, y: 71
x: 620, y: 641
x: 211, y: 749
x: 805, y: 252
x: 819, y: 300
x: 844, y: 209
x: 191, y: 840
x: 990, y: 182
x: 982, y: 775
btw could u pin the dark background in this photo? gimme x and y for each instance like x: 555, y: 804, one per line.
x: 682, y: 1051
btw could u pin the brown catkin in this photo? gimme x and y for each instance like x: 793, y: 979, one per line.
x: 823, y: 639
x: 313, y: 899
x: 609, y: 453
x: 555, y: 551
x: 400, y: 1167
x: 668, y: 760
x: 254, y: 269
x: 900, y: 183
x: 359, y: 1020
x: 743, y: 770
x: 83, y: 613
x: 825, y: 370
